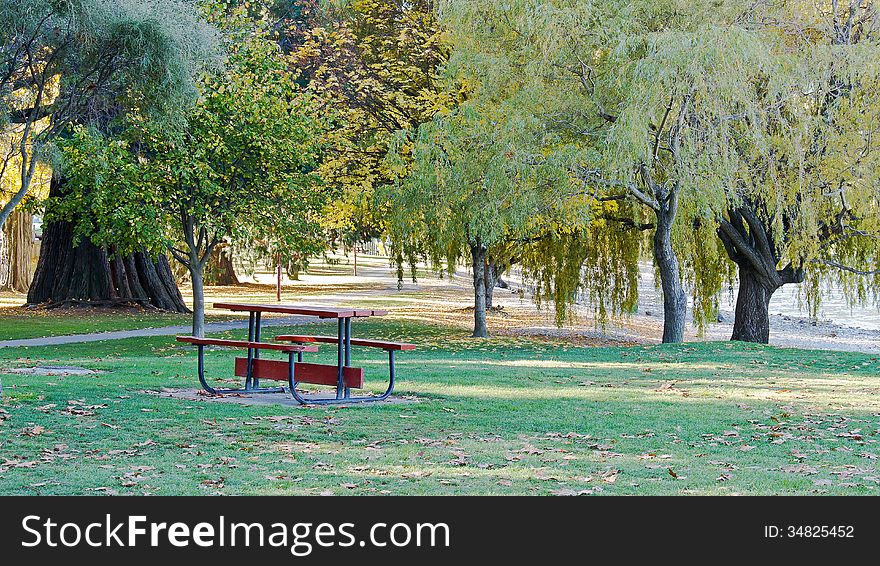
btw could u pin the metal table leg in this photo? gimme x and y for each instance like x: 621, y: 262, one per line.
x: 340, y: 359
x: 255, y: 382
x: 250, y: 355
x: 347, y: 391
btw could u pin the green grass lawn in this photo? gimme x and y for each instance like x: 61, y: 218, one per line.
x: 19, y: 323
x: 500, y: 416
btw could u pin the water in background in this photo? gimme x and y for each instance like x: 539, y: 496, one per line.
x: 834, y: 308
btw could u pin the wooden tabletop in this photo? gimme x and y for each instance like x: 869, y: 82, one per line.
x: 305, y: 310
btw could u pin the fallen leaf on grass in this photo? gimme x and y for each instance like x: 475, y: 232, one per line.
x: 799, y: 469
x: 651, y: 456
x: 505, y: 483
x: 73, y: 411
x: 35, y: 430
x: 416, y: 474
x: 610, y: 476
x: 7, y: 464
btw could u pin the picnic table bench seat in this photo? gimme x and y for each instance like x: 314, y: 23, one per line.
x: 383, y: 344
x: 246, y: 344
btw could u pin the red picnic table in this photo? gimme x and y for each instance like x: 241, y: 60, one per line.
x: 342, y: 375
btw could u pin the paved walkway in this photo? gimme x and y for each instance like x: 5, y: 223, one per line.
x: 162, y: 331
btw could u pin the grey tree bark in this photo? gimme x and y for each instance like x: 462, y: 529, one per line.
x: 478, y: 257
x: 491, y: 279
x: 198, y: 291
x: 674, y: 296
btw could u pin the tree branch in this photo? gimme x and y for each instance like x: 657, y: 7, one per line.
x: 744, y: 249
x: 842, y: 267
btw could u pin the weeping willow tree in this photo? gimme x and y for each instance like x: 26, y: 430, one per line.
x: 481, y: 184
x: 594, y: 74
x: 802, y: 189
x: 755, y: 120
x: 88, y: 62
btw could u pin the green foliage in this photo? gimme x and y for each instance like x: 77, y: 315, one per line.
x: 92, y: 62
x: 376, y: 65
x: 493, y: 177
x: 243, y: 167
x: 772, y: 105
x: 108, y: 56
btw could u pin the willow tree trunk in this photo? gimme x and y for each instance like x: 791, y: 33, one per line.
x: 478, y: 256
x: 16, y: 252
x: 87, y: 274
x: 674, y: 297
x: 752, y: 317
x: 294, y: 266
x: 746, y: 238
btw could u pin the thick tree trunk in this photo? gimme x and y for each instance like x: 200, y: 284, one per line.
x: 748, y: 242
x: 674, y: 297
x: 16, y: 252
x: 158, y: 282
x: 752, y: 319
x: 478, y: 255
x: 86, y: 274
x: 219, y: 270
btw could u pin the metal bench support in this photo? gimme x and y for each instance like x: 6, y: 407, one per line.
x: 345, y: 399
x: 248, y: 381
